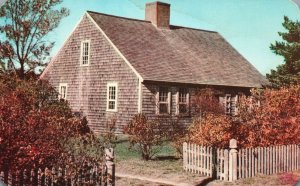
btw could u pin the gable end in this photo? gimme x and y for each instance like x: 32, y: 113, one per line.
x: 114, y: 46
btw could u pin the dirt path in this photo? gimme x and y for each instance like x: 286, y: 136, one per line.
x: 153, y: 180
x: 156, y: 173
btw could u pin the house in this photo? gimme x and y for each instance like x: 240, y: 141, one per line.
x: 114, y: 67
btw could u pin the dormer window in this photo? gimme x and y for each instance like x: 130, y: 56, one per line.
x: 85, y: 53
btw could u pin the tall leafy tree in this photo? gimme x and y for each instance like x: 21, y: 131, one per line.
x: 24, y: 25
x: 289, y: 72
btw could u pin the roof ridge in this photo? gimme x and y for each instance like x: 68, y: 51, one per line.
x: 134, y: 19
x: 198, y: 29
x: 121, y: 17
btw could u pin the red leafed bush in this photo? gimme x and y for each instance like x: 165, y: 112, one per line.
x: 145, y: 134
x: 206, y: 101
x: 33, y: 125
x: 270, y: 117
x: 211, y: 126
x: 212, y: 130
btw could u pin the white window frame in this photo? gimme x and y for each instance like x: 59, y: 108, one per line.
x: 60, y: 93
x: 82, y: 51
x: 187, y: 102
x: 168, y: 102
x: 112, y: 84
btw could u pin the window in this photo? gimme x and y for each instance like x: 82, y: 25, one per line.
x: 163, y: 101
x: 112, y: 94
x: 85, y: 53
x: 182, y: 101
x: 63, y: 89
x: 230, y: 104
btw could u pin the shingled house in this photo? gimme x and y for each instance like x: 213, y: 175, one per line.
x: 115, y: 67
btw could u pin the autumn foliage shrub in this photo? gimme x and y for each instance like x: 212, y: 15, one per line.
x: 206, y: 101
x: 210, y: 125
x: 33, y: 124
x: 212, y: 130
x: 144, y: 133
x: 268, y: 117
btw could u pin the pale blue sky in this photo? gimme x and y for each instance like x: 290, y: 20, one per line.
x: 249, y: 25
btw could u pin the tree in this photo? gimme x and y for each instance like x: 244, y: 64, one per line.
x: 25, y: 25
x: 289, y: 72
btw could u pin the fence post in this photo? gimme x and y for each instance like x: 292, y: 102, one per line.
x: 233, y: 160
x: 2, y: 176
x: 184, y: 155
x: 109, y: 162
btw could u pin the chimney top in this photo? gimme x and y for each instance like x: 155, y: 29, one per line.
x: 158, y: 13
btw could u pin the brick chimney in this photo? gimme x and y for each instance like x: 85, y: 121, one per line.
x: 158, y: 13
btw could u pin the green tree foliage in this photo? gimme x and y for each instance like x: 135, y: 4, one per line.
x: 289, y: 72
x: 24, y: 25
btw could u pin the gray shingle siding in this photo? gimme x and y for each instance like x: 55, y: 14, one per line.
x: 87, y: 85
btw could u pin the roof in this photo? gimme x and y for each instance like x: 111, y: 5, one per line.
x: 178, y: 54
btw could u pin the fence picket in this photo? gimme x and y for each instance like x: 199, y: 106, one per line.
x: 198, y: 159
x: 211, y: 162
x: 226, y: 163
x: 273, y: 159
x: 292, y: 158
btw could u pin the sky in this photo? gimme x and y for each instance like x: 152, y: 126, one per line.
x: 250, y: 26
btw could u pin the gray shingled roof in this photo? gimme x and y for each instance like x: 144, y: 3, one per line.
x: 178, y: 54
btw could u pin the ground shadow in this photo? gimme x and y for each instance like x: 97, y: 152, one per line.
x: 165, y: 158
x: 206, y: 181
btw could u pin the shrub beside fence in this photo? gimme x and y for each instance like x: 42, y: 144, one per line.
x: 102, y: 173
x: 232, y: 164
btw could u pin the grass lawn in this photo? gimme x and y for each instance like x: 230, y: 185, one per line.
x: 164, y: 164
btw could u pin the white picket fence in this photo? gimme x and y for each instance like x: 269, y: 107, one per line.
x: 232, y: 164
x: 76, y: 173
x: 55, y: 176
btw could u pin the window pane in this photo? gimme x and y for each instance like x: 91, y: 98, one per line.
x: 182, y: 108
x: 63, y: 92
x: 163, y: 95
x: 230, y: 104
x: 182, y: 95
x: 111, y: 105
x: 112, y: 93
x: 163, y: 108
